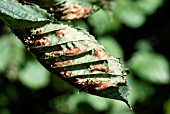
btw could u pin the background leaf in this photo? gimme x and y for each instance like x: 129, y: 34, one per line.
x: 5, y: 51
x: 166, y: 106
x: 149, y: 6
x: 34, y: 75
x: 102, y: 22
x: 112, y: 46
x: 128, y: 13
x: 150, y: 66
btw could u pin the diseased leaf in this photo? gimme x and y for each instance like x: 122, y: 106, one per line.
x: 68, y: 10
x: 75, y: 56
x: 71, y: 10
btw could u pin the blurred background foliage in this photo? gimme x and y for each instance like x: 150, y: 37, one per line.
x: 137, y: 31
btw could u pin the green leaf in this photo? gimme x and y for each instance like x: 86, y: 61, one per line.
x: 13, y: 53
x: 149, y: 6
x: 34, y: 75
x: 97, y: 103
x: 101, y: 25
x: 166, y: 106
x: 112, y: 46
x: 17, y: 57
x: 5, y: 52
x: 150, y: 66
x: 128, y: 13
x: 24, y: 12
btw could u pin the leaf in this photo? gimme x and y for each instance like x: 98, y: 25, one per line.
x: 75, y: 56
x: 71, y: 9
x: 13, y: 51
x: 5, y: 52
x: 24, y: 12
x: 97, y: 103
x: 112, y: 46
x: 166, y: 106
x: 101, y: 25
x: 34, y: 75
x: 128, y: 13
x: 150, y: 66
x: 149, y: 6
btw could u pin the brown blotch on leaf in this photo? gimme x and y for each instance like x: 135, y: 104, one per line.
x: 71, y: 12
x: 38, y: 31
x: 85, y: 85
x: 100, y: 54
x: 55, y: 53
x: 33, y: 32
x: 66, y: 74
x: 61, y: 63
x: 76, y: 11
x: 59, y: 32
x: 38, y: 41
x: 101, y: 68
x: 69, y: 52
x: 103, y: 85
x: 75, y: 51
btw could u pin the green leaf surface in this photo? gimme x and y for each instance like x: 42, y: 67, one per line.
x: 34, y: 76
x: 150, y: 66
x: 166, y: 106
x: 128, y: 13
x: 112, y: 46
x: 149, y: 6
x: 5, y: 52
x: 24, y: 12
x: 102, y: 22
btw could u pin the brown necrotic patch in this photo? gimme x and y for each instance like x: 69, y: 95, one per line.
x: 39, y: 40
x: 68, y: 52
x: 85, y: 85
x: 61, y: 63
x: 71, y: 12
x: 66, y: 74
x: 59, y: 32
x: 101, y: 68
x: 103, y: 85
x: 75, y: 51
x: 76, y: 11
x: 100, y: 54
